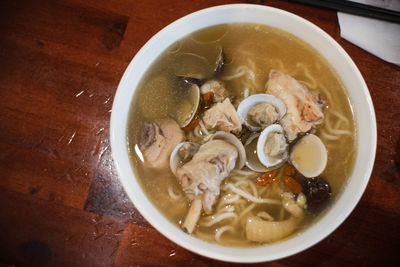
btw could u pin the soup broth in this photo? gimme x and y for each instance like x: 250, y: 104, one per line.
x: 251, y: 51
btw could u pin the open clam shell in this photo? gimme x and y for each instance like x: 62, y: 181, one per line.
x: 232, y: 139
x: 309, y: 156
x: 187, y: 109
x: 280, y: 146
x: 200, y: 66
x: 249, y: 102
x: 181, y: 154
x: 193, y: 66
x: 252, y: 161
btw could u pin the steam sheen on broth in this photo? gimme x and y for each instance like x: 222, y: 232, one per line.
x: 251, y: 54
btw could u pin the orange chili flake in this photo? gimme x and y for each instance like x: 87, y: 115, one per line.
x: 289, y: 170
x: 191, y: 125
x: 208, y: 99
x: 268, y: 178
x: 292, y: 184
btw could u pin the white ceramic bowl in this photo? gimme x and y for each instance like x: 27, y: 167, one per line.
x: 337, y: 57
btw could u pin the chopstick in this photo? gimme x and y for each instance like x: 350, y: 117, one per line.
x: 354, y: 8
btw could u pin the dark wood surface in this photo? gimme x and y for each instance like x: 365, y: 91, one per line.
x: 61, y: 203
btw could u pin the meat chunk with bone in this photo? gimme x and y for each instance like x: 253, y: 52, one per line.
x: 304, y: 110
x: 223, y: 117
x: 157, y: 142
x: 204, y: 173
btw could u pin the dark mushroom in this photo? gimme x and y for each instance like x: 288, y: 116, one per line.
x: 317, y: 191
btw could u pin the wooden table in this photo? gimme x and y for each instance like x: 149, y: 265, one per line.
x: 61, y: 203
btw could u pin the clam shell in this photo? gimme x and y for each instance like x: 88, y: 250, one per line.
x: 174, y: 160
x: 192, y: 65
x: 266, y: 160
x: 253, y: 100
x: 252, y: 161
x: 188, y: 108
x: 192, y: 78
x: 232, y: 139
x: 200, y: 66
x: 309, y: 156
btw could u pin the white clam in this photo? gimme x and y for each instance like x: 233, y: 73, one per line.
x: 309, y: 156
x: 249, y: 102
x: 175, y: 160
x: 188, y: 108
x: 232, y: 139
x: 252, y: 161
x: 269, y: 159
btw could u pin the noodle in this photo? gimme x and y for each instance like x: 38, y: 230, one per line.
x: 241, y: 182
x: 312, y: 82
x: 196, y: 55
x: 218, y: 218
x: 250, y: 81
x: 226, y: 200
x: 341, y: 132
x: 264, y: 188
x: 247, y: 210
x: 307, y: 84
x: 221, y: 230
x: 333, y: 132
x: 340, y: 116
x: 237, y: 178
x: 229, y: 208
x: 328, y: 95
x: 253, y: 188
x: 252, y: 198
x: 204, y: 236
x: 243, y: 172
x: 328, y: 136
x: 246, y: 92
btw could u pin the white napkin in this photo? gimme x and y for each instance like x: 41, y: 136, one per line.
x: 380, y: 38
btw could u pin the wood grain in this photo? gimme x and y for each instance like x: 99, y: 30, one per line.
x: 61, y: 203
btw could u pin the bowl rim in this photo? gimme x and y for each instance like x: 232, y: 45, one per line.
x: 233, y: 254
